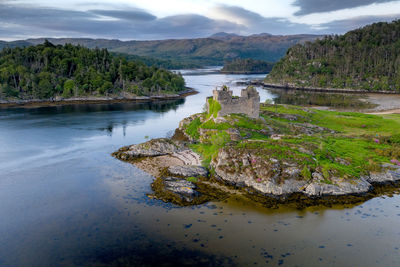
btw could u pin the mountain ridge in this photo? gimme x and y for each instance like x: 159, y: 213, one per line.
x: 201, y: 51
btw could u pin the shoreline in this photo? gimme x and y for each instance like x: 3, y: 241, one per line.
x: 320, y: 89
x: 94, y: 100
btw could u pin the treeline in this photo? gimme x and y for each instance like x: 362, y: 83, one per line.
x: 46, y: 71
x: 160, y: 63
x: 247, y: 65
x: 366, y: 58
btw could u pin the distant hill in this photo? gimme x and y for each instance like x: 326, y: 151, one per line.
x: 223, y: 35
x: 13, y: 44
x: 367, y: 58
x: 201, y: 51
x: 247, y: 66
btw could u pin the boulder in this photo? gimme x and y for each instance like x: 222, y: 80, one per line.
x: 180, y: 187
x: 188, y: 171
x: 337, y: 188
x: 391, y: 174
x: 153, y: 148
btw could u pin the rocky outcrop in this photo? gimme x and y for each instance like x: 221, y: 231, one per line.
x: 188, y: 171
x: 390, y: 174
x: 339, y: 187
x: 153, y: 148
x: 183, y: 189
x: 280, y: 178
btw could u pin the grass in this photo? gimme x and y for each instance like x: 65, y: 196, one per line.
x: 192, y: 128
x: 360, y: 143
x: 214, y: 108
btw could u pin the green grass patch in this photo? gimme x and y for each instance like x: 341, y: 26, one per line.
x: 209, y: 150
x: 193, y: 128
x: 213, y: 108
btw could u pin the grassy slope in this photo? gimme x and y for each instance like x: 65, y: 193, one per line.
x: 360, y: 143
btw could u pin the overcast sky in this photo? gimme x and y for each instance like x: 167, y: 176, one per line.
x: 162, y: 19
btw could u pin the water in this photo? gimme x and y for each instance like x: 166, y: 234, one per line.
x: 65, y: 201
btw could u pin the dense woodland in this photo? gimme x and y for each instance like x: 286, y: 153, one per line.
x: 366, y: 58
x: 247, y: 65
x: 46, y: 71
x: 168, y: 64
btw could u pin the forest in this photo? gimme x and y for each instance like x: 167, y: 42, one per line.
x: 367, y: 58
x: 247, y: 66
x: 46, y: 71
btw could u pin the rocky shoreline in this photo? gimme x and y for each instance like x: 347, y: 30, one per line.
x: 320, y: 89
x: 245, y: 171
x: 58, y: 101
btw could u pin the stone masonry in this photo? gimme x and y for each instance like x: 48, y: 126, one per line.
x: 248, y: 103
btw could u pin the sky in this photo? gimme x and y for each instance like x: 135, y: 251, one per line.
x: 157, y: 19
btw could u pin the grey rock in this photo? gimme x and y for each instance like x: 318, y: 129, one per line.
x: 245, y: 169
x: 153, y: 148
x: 391, y: 174
x: 278, y: 178
x: 188, y: 171
x: 338, y: 188
x: 184, y: 189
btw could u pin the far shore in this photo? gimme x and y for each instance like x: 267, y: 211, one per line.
x: 94, y: 100
x: 321, y: 89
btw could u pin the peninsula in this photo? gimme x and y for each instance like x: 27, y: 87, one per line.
x: 50, y: 73
x: 271, y: 154
x: 365, y: 59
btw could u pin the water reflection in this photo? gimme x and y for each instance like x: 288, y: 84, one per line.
x: 65, y: 201
x: 332, y: 100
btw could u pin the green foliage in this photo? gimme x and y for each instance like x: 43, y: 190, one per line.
x: 365, y: 58
x: 359, y: 144
x: 210, y: 149
x: 213, y: 108
x: 193, y: 128
x: 45, y: 71
x: 247, y: 65
x: 168, y: 64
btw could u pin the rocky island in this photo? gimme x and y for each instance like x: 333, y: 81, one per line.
x: 271, y: 154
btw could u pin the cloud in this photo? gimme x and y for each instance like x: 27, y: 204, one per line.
x: 22, y: 21
x: 340, y: 26
x: 319, y: 6
x: 33, y: 21
x: 255, y: 23
x: 132, y: 15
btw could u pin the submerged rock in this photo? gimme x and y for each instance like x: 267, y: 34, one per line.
x: 180, y: 187
x: 188, y: 171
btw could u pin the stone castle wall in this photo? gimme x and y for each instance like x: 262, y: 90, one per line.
x: 248, y: 103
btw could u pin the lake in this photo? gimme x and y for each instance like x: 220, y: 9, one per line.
x: 65, y: 201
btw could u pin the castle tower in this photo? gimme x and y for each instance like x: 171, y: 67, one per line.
x: 248, y: 103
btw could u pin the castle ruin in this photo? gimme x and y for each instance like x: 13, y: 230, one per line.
x: 248, y: 103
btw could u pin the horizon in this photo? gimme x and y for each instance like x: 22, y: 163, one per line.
x: 127, y: 20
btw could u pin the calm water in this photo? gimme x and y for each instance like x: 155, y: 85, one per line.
x: 65, y: 201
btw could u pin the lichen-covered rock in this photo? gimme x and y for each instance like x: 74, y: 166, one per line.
x: 182, y: 188
x: 337, y: 188
x: 153, y: 148
x: 390, y: 174
x: 269, y: 176
x: 244, y: 168
x: 188, y: 171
